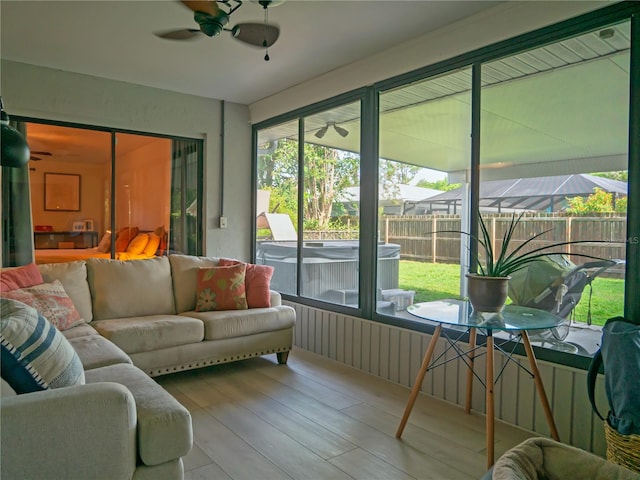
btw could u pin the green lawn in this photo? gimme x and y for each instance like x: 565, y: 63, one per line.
x: 434, y: 281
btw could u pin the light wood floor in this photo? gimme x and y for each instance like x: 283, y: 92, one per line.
x: 317, y: 419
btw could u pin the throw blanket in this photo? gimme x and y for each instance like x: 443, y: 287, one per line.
x: 542, y: 458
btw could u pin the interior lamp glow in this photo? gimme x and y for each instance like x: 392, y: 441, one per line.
x: 15, y: 151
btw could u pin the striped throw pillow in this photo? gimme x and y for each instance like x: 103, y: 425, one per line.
x: 34, y: 355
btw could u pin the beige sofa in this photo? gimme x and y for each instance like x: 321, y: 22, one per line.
x: 140, y: 323
x: 541, y: 458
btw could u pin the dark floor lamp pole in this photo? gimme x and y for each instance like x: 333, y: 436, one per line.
x: 16, y: 214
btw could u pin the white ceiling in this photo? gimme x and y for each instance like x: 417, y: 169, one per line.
x: 114, y: 39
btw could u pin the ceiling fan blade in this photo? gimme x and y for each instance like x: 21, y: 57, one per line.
x: 182, y: 34
x: 48, y: 154
x: 256, y: 34
x: 210, y: 7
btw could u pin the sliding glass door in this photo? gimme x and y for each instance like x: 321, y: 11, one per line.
x: 136, y: 200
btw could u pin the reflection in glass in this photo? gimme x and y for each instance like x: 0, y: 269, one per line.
x: 425, y: 151
x: 331, y: 206
x: 277, y: 204
x: 554, y: 144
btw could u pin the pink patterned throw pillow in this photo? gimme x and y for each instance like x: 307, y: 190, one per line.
x: 51, y: 301
x: 257, y: 283
x: 221, y: 288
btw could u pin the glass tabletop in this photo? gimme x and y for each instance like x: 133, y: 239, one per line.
x: 459, y: 312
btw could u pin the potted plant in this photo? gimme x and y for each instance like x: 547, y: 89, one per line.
x: 488, y: 288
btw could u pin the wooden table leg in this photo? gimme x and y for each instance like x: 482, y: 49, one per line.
x: 418, y: 383
x: 472, y: 347
x: 490, y: 404
x: 539, y: 386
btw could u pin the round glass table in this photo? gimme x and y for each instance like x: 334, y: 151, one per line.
x: 459, y: 313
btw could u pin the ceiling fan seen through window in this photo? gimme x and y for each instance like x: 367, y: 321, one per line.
x: 212, y: 18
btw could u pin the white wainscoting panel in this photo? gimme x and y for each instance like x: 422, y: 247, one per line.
x: 396, y: 354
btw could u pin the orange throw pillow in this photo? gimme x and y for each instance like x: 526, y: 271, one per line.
x: 153, y: 245
x: 221, y: 288
x: 20, y: 277
x: 138, y: 244
x: 257, y: 283
x: 125, y: 235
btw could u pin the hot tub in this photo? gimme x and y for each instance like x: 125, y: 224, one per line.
x: 329, y: 268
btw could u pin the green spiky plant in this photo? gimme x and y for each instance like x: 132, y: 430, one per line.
x: 504, y: 263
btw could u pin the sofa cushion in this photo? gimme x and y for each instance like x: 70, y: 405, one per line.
x: 6, y: 390
x: 20, y: 277
x: 257, y: 282
x: 164, y: 425
x: 135, y: 288
x: 236, y: 323
x: 221, y: 288
x: 51, y: 301
x: 34, y: 354
x: 79, y: 331
x: 151, y: 332
x: 73, y: 276
x: 184, y: 270
x: 96, y: 351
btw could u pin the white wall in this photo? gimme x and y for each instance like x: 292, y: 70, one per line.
x: 45, y: 93
x: 92, y: 177
x: 490, y: 26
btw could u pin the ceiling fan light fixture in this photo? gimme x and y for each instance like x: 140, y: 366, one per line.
x: 322, y: 132
x: 343, y: 132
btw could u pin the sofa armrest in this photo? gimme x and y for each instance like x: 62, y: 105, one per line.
x: 74, y: 432
x: 276, y: 299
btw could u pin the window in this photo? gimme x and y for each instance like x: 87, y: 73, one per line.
x: 425, y: 153
x: 331, y: 211
x: 554, y: 144
x: 277, y: 204
x: 149, y: 186
x: 536, y: 124
x: 317, y: 189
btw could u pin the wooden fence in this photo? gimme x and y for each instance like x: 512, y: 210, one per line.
x: 425, y: 238
x: 433, y: 238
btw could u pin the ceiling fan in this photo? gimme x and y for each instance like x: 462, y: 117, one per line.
x: 43, y: 154
x: 212, y: 18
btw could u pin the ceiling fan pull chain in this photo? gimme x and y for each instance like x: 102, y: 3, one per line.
x: 264, y: 42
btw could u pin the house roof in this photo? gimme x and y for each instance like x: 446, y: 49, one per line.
x: 407, y: 193
x: 537, y: 193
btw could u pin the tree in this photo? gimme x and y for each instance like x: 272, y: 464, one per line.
x: 393, y: 174
x: 278, y: 173
x: 599, y: 201
x: 327, y: 172
x: 443, y: 185
x: 622, y: 175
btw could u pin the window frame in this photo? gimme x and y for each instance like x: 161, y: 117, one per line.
x: 113, y: 132
x: 623, y: 11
